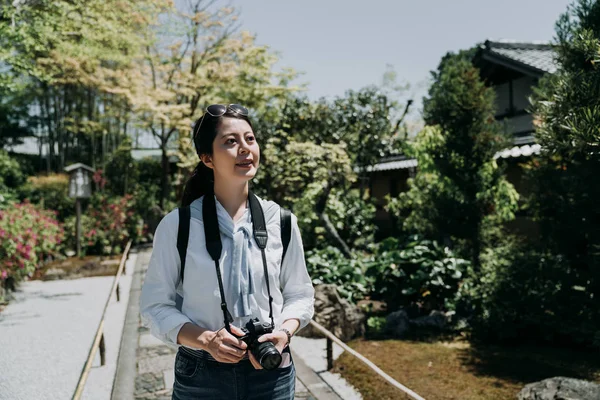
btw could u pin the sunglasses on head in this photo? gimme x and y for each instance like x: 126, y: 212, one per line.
x: 218, y: 110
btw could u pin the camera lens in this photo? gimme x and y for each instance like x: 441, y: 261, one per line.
x: 267, y: 355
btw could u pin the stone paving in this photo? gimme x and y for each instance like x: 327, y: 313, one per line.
x: 155, y: 361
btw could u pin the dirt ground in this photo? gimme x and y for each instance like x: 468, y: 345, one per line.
x: 75, y: 267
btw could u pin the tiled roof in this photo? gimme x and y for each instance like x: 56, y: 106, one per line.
x: 393, y: 165
x: 536, y: 55
x: 515, y: 151
x: 518, y: 151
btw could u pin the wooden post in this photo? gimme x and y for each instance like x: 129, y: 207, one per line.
x: 102, y: 351
x: 329, y: 354
x: 78, y: 226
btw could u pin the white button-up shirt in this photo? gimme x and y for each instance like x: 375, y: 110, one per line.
x: 291, y: 287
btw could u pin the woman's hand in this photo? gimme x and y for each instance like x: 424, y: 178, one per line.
x: 279, y: 339
x: 226, y: 348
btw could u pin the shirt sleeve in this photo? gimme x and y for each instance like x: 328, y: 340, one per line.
x: 297, y: 289
x: 159, y: 291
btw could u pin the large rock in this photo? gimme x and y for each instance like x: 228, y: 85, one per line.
x: 436, y: 320
x: 397, y: 323
x: 560, y: 388
x: 336, y: 314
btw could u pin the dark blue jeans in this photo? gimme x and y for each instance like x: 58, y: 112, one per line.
x: 204, y: 379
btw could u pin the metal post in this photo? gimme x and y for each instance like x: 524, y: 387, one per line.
x: 78, y: 226
x: 329, y: 354
x: 118, y: 291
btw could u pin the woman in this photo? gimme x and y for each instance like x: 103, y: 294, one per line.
x: 211, y: 362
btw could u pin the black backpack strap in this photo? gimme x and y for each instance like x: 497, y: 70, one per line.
x: 183, y: 234
x: 286, y: 230
x: 258, y: 221
x: 214, y: 247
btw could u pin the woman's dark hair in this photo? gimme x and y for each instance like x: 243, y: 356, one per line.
x: 202, y: 180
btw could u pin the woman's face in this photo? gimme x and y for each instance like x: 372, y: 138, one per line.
x: 236, y: 154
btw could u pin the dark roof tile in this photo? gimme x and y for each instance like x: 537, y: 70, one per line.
x: 538, y: 55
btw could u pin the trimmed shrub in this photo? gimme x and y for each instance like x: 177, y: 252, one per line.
x: 51, y: 192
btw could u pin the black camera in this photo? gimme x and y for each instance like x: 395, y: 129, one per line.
x: 265, y: 353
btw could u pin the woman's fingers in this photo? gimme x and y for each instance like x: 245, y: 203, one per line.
x: 226, y: 358
x: 224, y: 354
x: 234, y: 351
x: 235, y: 339
x: 266, y: 338
x: 236, y: 331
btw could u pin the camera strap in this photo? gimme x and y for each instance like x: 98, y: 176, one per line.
x: 214, y: 246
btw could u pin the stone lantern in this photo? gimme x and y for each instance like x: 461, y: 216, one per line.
x: 80, y: 187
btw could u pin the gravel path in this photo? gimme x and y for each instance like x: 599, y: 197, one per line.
x: 46, y: 334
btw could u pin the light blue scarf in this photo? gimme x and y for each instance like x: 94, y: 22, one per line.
x: 238, y: 285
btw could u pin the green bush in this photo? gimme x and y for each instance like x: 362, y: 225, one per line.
x: 51, y: 192
x: 376, y: 327
x: 417, y: 272
x: 353, y: 218
x: 11, y: 175
x: 330, y: 266
x: 526, y: 295
x: 122, y: 173
x: 149, y: 170
x: 28, y: 235
x: 145, y: 204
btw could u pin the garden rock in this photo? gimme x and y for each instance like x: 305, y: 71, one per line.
x: 397, y: 323
x: 336, y: 314
x: 560, y: 388
x: 436, y: 320
x: 54, y: 274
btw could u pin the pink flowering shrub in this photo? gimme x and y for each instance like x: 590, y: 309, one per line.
x: 28, y: 235
x: 106, y: 225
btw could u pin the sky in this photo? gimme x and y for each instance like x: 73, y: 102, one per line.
x: 341, y: 45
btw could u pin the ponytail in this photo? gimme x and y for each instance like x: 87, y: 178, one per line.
x: 201, y: 182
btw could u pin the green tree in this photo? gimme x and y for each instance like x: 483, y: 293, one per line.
x: 365, y: 121
x: 303, y: 177
x: 15, y: 122
x: 459, y: 195
x: 199, y: 59
x: 71, y: 55
x: 566, y: 193
x: 360, y: 125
